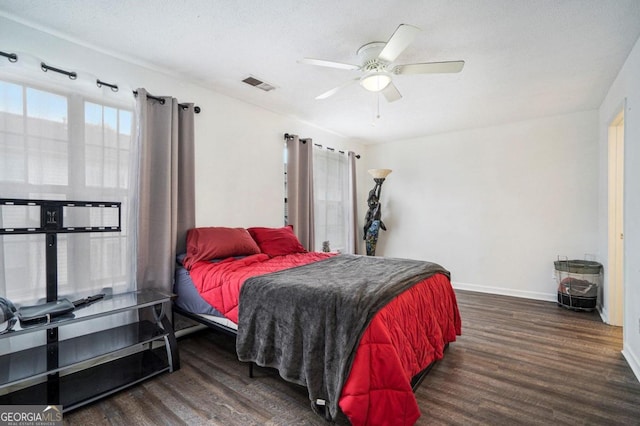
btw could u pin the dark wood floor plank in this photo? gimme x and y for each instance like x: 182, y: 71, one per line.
x: 518, y: 362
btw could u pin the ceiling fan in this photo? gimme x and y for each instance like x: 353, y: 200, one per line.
x: 376, y: 60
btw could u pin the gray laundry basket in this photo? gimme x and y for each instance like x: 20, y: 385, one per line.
x: 578, y: 283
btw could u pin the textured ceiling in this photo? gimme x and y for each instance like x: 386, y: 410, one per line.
x: 524, y: 58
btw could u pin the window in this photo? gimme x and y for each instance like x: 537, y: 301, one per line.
x: 63, y: 144
x: 331, y: 195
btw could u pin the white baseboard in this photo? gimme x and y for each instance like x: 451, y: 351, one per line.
x: 548, y: 297
x: 603, y: 314
x: 632, y: 360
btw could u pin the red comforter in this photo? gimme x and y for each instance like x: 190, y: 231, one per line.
x: 402, y: 339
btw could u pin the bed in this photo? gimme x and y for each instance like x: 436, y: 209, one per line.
x: 358, y: 332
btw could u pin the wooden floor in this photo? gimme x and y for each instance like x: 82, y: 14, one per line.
x: 518, y: 362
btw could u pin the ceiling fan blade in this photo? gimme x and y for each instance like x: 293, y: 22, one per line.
x: 391, y: 93
x: 430, y: 68
x: 333, y: 91
x: 401, y: 38
x: 329, y: 64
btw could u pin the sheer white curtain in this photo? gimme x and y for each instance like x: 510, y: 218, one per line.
x: 334, y: 192
x: 64, y: 139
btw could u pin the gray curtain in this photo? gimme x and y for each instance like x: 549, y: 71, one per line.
x: 300, y: 189
x: 166, y: 194
x: 353, y: 240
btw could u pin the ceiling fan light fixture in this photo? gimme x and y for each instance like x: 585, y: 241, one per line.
x: 375, y: 81
x: 377, y: 65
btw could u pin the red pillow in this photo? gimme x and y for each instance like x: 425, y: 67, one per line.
x: 218, y: 243
x: 277, y: 241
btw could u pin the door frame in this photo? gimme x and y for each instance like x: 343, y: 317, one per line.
x: 615, y: 268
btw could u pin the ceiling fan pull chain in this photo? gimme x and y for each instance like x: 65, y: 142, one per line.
x: 376, y: 112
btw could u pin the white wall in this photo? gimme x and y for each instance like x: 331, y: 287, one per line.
x: 626, y: 86
x: 239, y: 157
x: 497, y: 205
x: 239, y: 168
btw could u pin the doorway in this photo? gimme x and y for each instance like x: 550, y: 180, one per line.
x: 615, y: 278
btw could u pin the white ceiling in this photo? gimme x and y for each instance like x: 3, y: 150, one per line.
x: 524, y: 58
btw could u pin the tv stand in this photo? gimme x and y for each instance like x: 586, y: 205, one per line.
x: 82, y: 369
x: 93, y: 365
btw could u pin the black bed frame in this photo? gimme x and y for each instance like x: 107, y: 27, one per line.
x: 415, y: 381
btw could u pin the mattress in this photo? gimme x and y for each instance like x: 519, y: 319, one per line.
x: 188, y: 297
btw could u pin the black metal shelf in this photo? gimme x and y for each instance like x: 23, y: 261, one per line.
x: 43, y: 371
x: 32, y: 363
x: 88, y: 385
x: 109, y: 305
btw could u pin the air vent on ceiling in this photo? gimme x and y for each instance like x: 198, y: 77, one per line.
x: 256, y: 82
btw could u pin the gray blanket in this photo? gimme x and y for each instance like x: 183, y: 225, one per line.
x: 307, y: 321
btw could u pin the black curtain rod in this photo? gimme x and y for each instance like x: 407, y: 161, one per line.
x: 72, y: 75
x: 287, y: 136
x: 113, y: 87
x: 12, y: 57
x: 333, y: 149
x: 155, y: 98
x: 196, y: 108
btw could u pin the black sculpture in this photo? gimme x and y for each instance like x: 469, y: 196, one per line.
x: 373, y: 220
